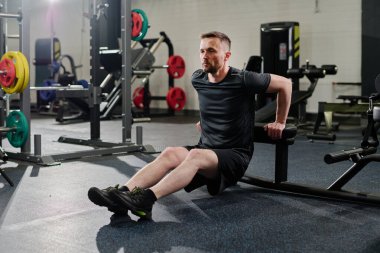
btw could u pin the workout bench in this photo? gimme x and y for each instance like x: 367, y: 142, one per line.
x: 334, y: 191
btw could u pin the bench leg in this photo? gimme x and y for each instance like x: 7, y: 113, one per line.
x: 281, y: 166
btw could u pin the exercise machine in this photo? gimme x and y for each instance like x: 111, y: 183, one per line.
x: 359, y: 156
x: 350, y: 105
x: 299, y: 97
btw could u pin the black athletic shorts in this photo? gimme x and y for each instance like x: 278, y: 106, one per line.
x: 232, y: 164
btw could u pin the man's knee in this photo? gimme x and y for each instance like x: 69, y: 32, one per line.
x: 174, y: 155
x: 202, y: 157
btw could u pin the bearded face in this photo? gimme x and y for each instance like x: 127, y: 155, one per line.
x: 212, y: 55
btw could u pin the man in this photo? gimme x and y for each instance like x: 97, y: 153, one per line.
x: 220, y: 159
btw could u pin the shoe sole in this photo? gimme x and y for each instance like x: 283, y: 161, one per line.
x: 134, y: 210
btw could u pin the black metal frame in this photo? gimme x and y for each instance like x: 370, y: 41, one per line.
x: 334, y: 191
x: 147, y: 96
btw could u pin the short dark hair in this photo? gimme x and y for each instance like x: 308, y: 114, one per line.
x: 223, y: 37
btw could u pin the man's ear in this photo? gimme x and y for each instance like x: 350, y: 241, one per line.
x: 228, y: 54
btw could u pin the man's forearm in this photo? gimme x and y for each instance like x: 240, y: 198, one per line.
x: 284, y: 97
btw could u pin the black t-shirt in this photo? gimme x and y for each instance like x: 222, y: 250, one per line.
x: 227, y: 108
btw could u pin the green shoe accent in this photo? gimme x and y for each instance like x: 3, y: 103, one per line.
x: 143, y: 215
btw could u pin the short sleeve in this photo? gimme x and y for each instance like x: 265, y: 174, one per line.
x: 256, y: 82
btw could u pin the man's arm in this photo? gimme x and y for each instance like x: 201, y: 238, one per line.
x: 283, y: 87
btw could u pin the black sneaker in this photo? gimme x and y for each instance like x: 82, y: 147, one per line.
x: 139, y: 201
x: 101, y: 197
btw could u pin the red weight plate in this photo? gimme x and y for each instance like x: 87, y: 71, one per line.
x: 136, y: 24
x: 176, y: 98
x: 9, y: 72
x: 176, y: 67
x: 138, y: 97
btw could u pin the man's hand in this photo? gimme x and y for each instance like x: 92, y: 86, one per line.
x: 274, y: 130
x: 198, y: 126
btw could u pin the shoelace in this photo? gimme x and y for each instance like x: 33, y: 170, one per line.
x: 137, y: 192
x: 111, y: 187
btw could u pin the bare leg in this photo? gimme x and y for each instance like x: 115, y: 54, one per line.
x: 153, y: 172
x: 197, y: 160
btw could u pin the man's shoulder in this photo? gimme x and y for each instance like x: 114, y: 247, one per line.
x: 236, y: 72
x: 199, y: 73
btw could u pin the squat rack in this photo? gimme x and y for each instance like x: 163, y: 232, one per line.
x: 102, y: 148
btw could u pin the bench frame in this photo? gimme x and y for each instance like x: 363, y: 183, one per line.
x: 280, y: 182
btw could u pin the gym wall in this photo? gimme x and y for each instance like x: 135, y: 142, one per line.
x: 330, y: 34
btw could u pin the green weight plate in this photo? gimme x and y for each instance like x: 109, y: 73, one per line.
x: 18, y: 121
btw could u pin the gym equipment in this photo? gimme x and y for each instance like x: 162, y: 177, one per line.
x: 15, y: 72
x: 136, y: 24
x: 359, y: 156
x: 142, y: 60
x: 7, y: 72
x: 299, y: 97
x: 176, y: 98
x: 350, y: 105
x: 141, y: 20
x: 93, y: 93
x: 17, y: 129
x: 176, y: 66
x: 280, y: 50
x: 139, y: 97
x: 5, y: 176
x: 47, y: 95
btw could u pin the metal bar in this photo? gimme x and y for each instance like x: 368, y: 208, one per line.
x: 353, y: 170
x: 92, y: 143
x: 9, y: 15
x: 139, y: 135
x: 347, y: 83
x: 13, y: 36
x: 59, y: 88
x: 2, y: 172
x: 7, y: 129
x: 160, y: 67
x: 95, y: 66
x: 142, y: 72
x: 24, y: 45
x: 106, y: 80
x: 54, y: 159
x: 37, y: 144
x: 313, y: 191
x: 126, y: 73
x: 156, y: 45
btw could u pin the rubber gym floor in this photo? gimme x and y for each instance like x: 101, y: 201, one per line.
x: 48, y: 210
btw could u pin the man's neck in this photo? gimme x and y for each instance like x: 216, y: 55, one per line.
x: 218, y: 76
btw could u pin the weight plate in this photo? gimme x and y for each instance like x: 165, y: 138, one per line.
x: 138, y: 97
x: 136, y: 24
x: 145, y: 25
x: 47, y: 95
x: 176, y: 98
x: 176, y: 67
x: 26, y: 71
x: 9, y: 72
x: 83, y: 82
x: 20, y: 72
x: 17, y: 121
